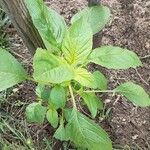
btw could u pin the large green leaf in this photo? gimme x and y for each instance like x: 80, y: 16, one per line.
x: 77, y: 44
x: 97, y: 17
x: 114, y: 58
x: 100, y: 80
x: 85, y: 78
x: 58, y: 96
x: 93, y: 103
x: 49, y: 23
x: 35, y: 112
x: 50, y: 69
x: 52, y: 117
x: 134, y: 93
x: 85, y: 133
x: 11, y: 71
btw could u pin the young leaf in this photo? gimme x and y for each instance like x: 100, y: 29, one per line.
x: 35, y: 112
x: 50, y: 24
x: 60, y: 133
x: 85, y: 78
x: 96, y: 80
x: 11, y: 71
x: 30, y: 112
x: 134, y: 93
x: 97, y: 17
x: 43, y: 92
x: 49, y: 68
x: 52, y: 117
x: 58, y: 96
x: 115, y: 58
x: 100, y: 80
x: 85, y: 133
x: 93, y: 103
x: 77, y: 44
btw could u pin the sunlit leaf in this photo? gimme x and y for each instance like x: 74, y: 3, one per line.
x: 85, y: 78
x: 77, y: 44
x: 115, y: 58
x: 96, y: 80
x: 49, y: 68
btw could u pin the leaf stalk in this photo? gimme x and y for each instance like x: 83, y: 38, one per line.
x: 72, y: 96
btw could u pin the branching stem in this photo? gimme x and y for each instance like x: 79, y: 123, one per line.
x: 99, y: 91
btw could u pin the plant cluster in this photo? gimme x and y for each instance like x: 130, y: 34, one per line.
x: 62, y: 76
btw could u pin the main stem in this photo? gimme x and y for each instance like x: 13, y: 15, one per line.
x: 72, y: 96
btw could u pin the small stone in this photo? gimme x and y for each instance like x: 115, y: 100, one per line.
x: 15, y: 90
x: 134, y: 137
x: 107, y: 101
x: 124, y: 119
x: 147, y: 45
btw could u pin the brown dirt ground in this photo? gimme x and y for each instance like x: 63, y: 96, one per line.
x: 129, y: 28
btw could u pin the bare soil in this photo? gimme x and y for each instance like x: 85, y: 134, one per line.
x: 128, y: 28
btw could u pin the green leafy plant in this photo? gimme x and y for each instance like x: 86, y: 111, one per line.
x: 62, y: 75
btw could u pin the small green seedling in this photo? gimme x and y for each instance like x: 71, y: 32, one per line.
x: 62, y: 76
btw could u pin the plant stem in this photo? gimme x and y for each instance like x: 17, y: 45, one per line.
x: 98, y: 91
x: 30, y: 78
x: 72, y: 96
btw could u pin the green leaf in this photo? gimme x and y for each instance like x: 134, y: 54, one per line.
x: 96, y: 80
x: 97, y: 17
x: 58, y: 96
x: 134, y: 93
x: 52, y: 117
x: 93, y: 102
x: 85, y: 133
x: 49, y: 68
x: 35, y: 112
x: 85, y: 78
x: 77, y: 44
x: 11, y: 71
x: 100, y: 80
x: 115, y: 58
x: 60, y: 133
x: 43, y: 91
x: 50, y: 25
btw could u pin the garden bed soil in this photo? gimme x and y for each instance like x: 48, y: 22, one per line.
x: 128, y: 28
